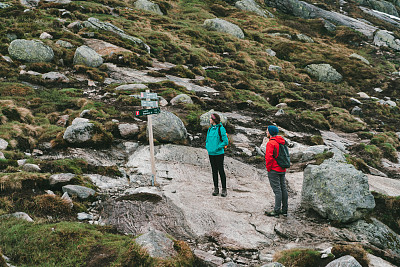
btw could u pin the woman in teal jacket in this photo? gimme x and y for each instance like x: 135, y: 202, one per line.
x: 215, y: 144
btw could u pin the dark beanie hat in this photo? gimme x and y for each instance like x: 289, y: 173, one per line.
x: 273, y: 130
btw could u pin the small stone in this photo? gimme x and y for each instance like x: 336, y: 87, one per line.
x: 363, y: 95
x: 378, y: 90
x: 45, y: 35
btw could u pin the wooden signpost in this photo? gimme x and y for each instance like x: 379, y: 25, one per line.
x: 151, y: 108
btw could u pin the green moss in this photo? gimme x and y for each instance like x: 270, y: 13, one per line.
x: 371, y: 154
x: 315, y: 118
x: 387, y: 209
x: 341, y: 119
x: 301, y: 258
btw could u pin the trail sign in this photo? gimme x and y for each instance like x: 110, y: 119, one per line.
x: 150, y: 111
x: 148, y: 95
x: 152, y: 104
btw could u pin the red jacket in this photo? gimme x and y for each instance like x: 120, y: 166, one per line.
x: 272, y: 152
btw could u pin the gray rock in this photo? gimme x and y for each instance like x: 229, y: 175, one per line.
x: 21, y: 162
x: 61, y: 178
x: 280, y: 112
x: 252, y: 6
x: 28, y: 167
x: 4, y: 5
x: 167, y: 127
x: 157, y: 244
x: 55, y: 76
x: 274, y: 68
x: 2, y: 155
x: 382, y: 16
x: 97, y: 24
x: 301, y: 153
x: 68, y: 200
x: 79, y: 132
x: 270, y: 52
x: 108, y: 183
x: 304, y: 38
x: 377, y: 234
x: 18, y: 215
x: 84, y: 113
x: 329, y: 26
x: 30, y: 51
x: 324, y: 73
x: 363, y: 95
x: 85, y: 55
x: 355, y: 101
x: 309, y: 11
x: 224, y: 26
x: 345, y: 261
x: 357, y: 56
x: 7, y: 59
x: 3, y: 144
x: 229, y: 264
x: 389, y: 103
x: 45, y: 35
x: 181, y: 99
x: 205, y: 118
x: 78, y: 190
x: 283, y: 35
x: 64, y: 44
x: 357, y: 111
x: 29, y: 3
x: 60, y: 1
x: 162, y: 101
x: 281, y: 105
x: 128, y: 130
x: 62, y: 120
x: 208, y: 259
x: 129, y: 87
x: 382, y: 6
x: 385, y: 38
x: 336, y: 191
x: 83, y: 216
x: 148, y: 6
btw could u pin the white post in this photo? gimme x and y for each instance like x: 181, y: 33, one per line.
x: 151, y: 143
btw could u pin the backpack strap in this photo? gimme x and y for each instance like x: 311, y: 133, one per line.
x: 219, y: 132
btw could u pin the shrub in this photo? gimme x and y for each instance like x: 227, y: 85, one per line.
x: 371, y: 154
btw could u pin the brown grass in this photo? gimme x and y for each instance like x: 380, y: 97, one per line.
x: 353, y: 250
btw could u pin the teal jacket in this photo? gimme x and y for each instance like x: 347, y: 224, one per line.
x: 214, y: 145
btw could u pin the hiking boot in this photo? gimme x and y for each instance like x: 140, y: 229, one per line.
x: 272, y: 213
x: 224, y: 193
x: 284, y: 214
x: 216, y: 191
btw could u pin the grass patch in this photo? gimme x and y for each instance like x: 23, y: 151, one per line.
x: 353, y: 250
x: 387, y: 209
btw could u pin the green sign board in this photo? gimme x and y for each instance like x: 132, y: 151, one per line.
x: 149, y: 111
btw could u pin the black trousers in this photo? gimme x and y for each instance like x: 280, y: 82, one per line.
x: 278, y: 183
x: 217, y: 166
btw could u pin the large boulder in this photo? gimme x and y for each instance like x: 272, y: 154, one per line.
x: 377, y: 234
x: 336, y: 190
x: 128, y: 130
x: 167, y: 127
x: 29, y: 3
x: 148, y: 6
x: 79, y: 132
x: 181, y: 99
x: 157, y: 244
x: 85, y: 55
x: 221, y: 25
x: 205, y: 118
x: 324, y: 73
x: 61, y: 178
x: 385, y: 38
x: 252, y: 6
x: 30, y: 51
x: 18, y: 215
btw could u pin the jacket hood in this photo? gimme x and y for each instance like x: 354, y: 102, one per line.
x: 279, y: 139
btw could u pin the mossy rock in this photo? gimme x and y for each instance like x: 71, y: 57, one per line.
x: 30, y: 51
x: 343, y: 120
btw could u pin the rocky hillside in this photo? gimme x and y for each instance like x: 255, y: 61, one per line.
x: 71, y: 149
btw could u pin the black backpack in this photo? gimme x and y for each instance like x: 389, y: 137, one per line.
x: 220, y: 135
x: 283, y: 158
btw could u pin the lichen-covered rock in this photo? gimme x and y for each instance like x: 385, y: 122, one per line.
x: 61, y: 178
x: 205, y: 118
x: 18, y: 215
x: 79, y: 132
x: 128, y: 130
x: 79, y: 191
x: 337, y: 191
x: 377, y: 234
x: 221, y: 25
x: 324, y: 73
x: 29, y: 3
x: 385, y: 38
x: 4, y: 5
x: 3, y: 144
x: 304, y: 38
x: 55, y: 77
x: 252, y: 6
x: 382, y: 6
x: 157, y: 244
x: 148, y: 6
x: 181, y: 99
x: 64, y: 44
x: 30, y: 51
x: 31, y: 167
x: 85, y: 55
x: 167, y: 127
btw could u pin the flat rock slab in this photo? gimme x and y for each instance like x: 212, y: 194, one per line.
x: 235, y: 222
x: 386, y: 186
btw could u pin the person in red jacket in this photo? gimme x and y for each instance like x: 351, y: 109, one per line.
x: 276, y: 174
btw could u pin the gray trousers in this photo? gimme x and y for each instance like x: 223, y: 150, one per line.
x: 278, y: 184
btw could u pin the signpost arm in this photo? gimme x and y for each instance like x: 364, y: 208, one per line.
x: 151, y: 143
